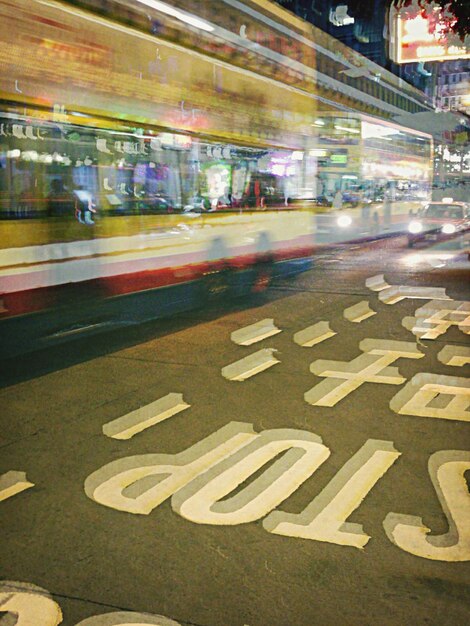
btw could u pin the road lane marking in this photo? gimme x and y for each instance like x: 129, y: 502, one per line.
x: 135, y: 422
x: 420, y: 397
x: 204, y: 500
x: 250, y: 365
x: 359, y: 312
x: 138, y: 484
x: 435, y: 318
x: 324, y: 519
x: 13, y: 482
x: 457, y: 356
x: 312, y: 335
x: 344, y: 377
x: 255, y: 332
x: 447, y: 471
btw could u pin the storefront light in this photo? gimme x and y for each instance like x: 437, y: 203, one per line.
x: 187, y: 18
x: 13, y: 154
x: 347, y: 129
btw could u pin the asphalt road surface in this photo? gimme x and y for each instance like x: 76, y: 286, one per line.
x: 206, y: 471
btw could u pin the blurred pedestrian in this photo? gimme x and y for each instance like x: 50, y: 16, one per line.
x: 338, y: 200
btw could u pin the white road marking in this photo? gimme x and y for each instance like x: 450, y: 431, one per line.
x: 435, y: 318
x: 314, y: 334
x: 396, y: 293
x: 128, y: 618
x: 28, y: 605
x: 13, y: 482
x: 359, y: 312
x: 418, y: 395
x: 124, y: 484
x: 250, y: 365
x: 135, y: 422
x: 200, y: 500
x: 344, y: 377
x: 377, y: 283
x: 324, y: 519
x: 447, y: 471
x: 255, y: 332
x: 457, y: 356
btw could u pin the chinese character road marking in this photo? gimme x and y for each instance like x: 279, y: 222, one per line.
x: 377, y: 283
x: 254, y: 333
x: 435, y: 318
x: 396, y: 293
x: 13, y: 482
x: 312, y: 335
x: 135, y: 422
x: 454, y: 355
x: 371, y: 367
x: 250, y: 365
x: 425, y: 394
x: 390, y: 294
x: 359, y: 312
x: 447, y: 470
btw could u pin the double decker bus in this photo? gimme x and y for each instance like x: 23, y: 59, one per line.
x: 382, y: 170
x: 139, y: 175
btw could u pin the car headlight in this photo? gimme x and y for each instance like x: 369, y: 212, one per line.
x: 448, y: 229
x: 344, y: 221
x: 415, y: 227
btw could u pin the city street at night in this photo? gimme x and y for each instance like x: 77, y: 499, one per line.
x: 234, y: 313
x: 293, y: 458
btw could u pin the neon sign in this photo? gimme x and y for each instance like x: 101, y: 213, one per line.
x: 418, y: 38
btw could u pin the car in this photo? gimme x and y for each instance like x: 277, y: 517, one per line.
x: 439, y: 221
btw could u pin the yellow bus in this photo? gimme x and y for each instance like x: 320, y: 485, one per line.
x: 139, y: 175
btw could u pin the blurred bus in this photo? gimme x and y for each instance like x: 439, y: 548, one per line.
x: 140, y: 176
x: 383, y: 170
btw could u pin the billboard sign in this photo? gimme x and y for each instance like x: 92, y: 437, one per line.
x: 420, y: 36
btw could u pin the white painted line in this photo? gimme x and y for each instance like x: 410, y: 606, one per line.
x: 250, y: 365
x: 377, y: 283
x: 396, y: 293
x: 27, y: 605
x: 359, y: 312
x: 13, y: 482
x: 314, y: 334
x: 373, y: 366
x: 435, y: 396
x: 135, y: 422
x: 255, y: 332
x: 434, y: 319
x: 454, y: 355
x: 447, y: 471
x: 325, y: 518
